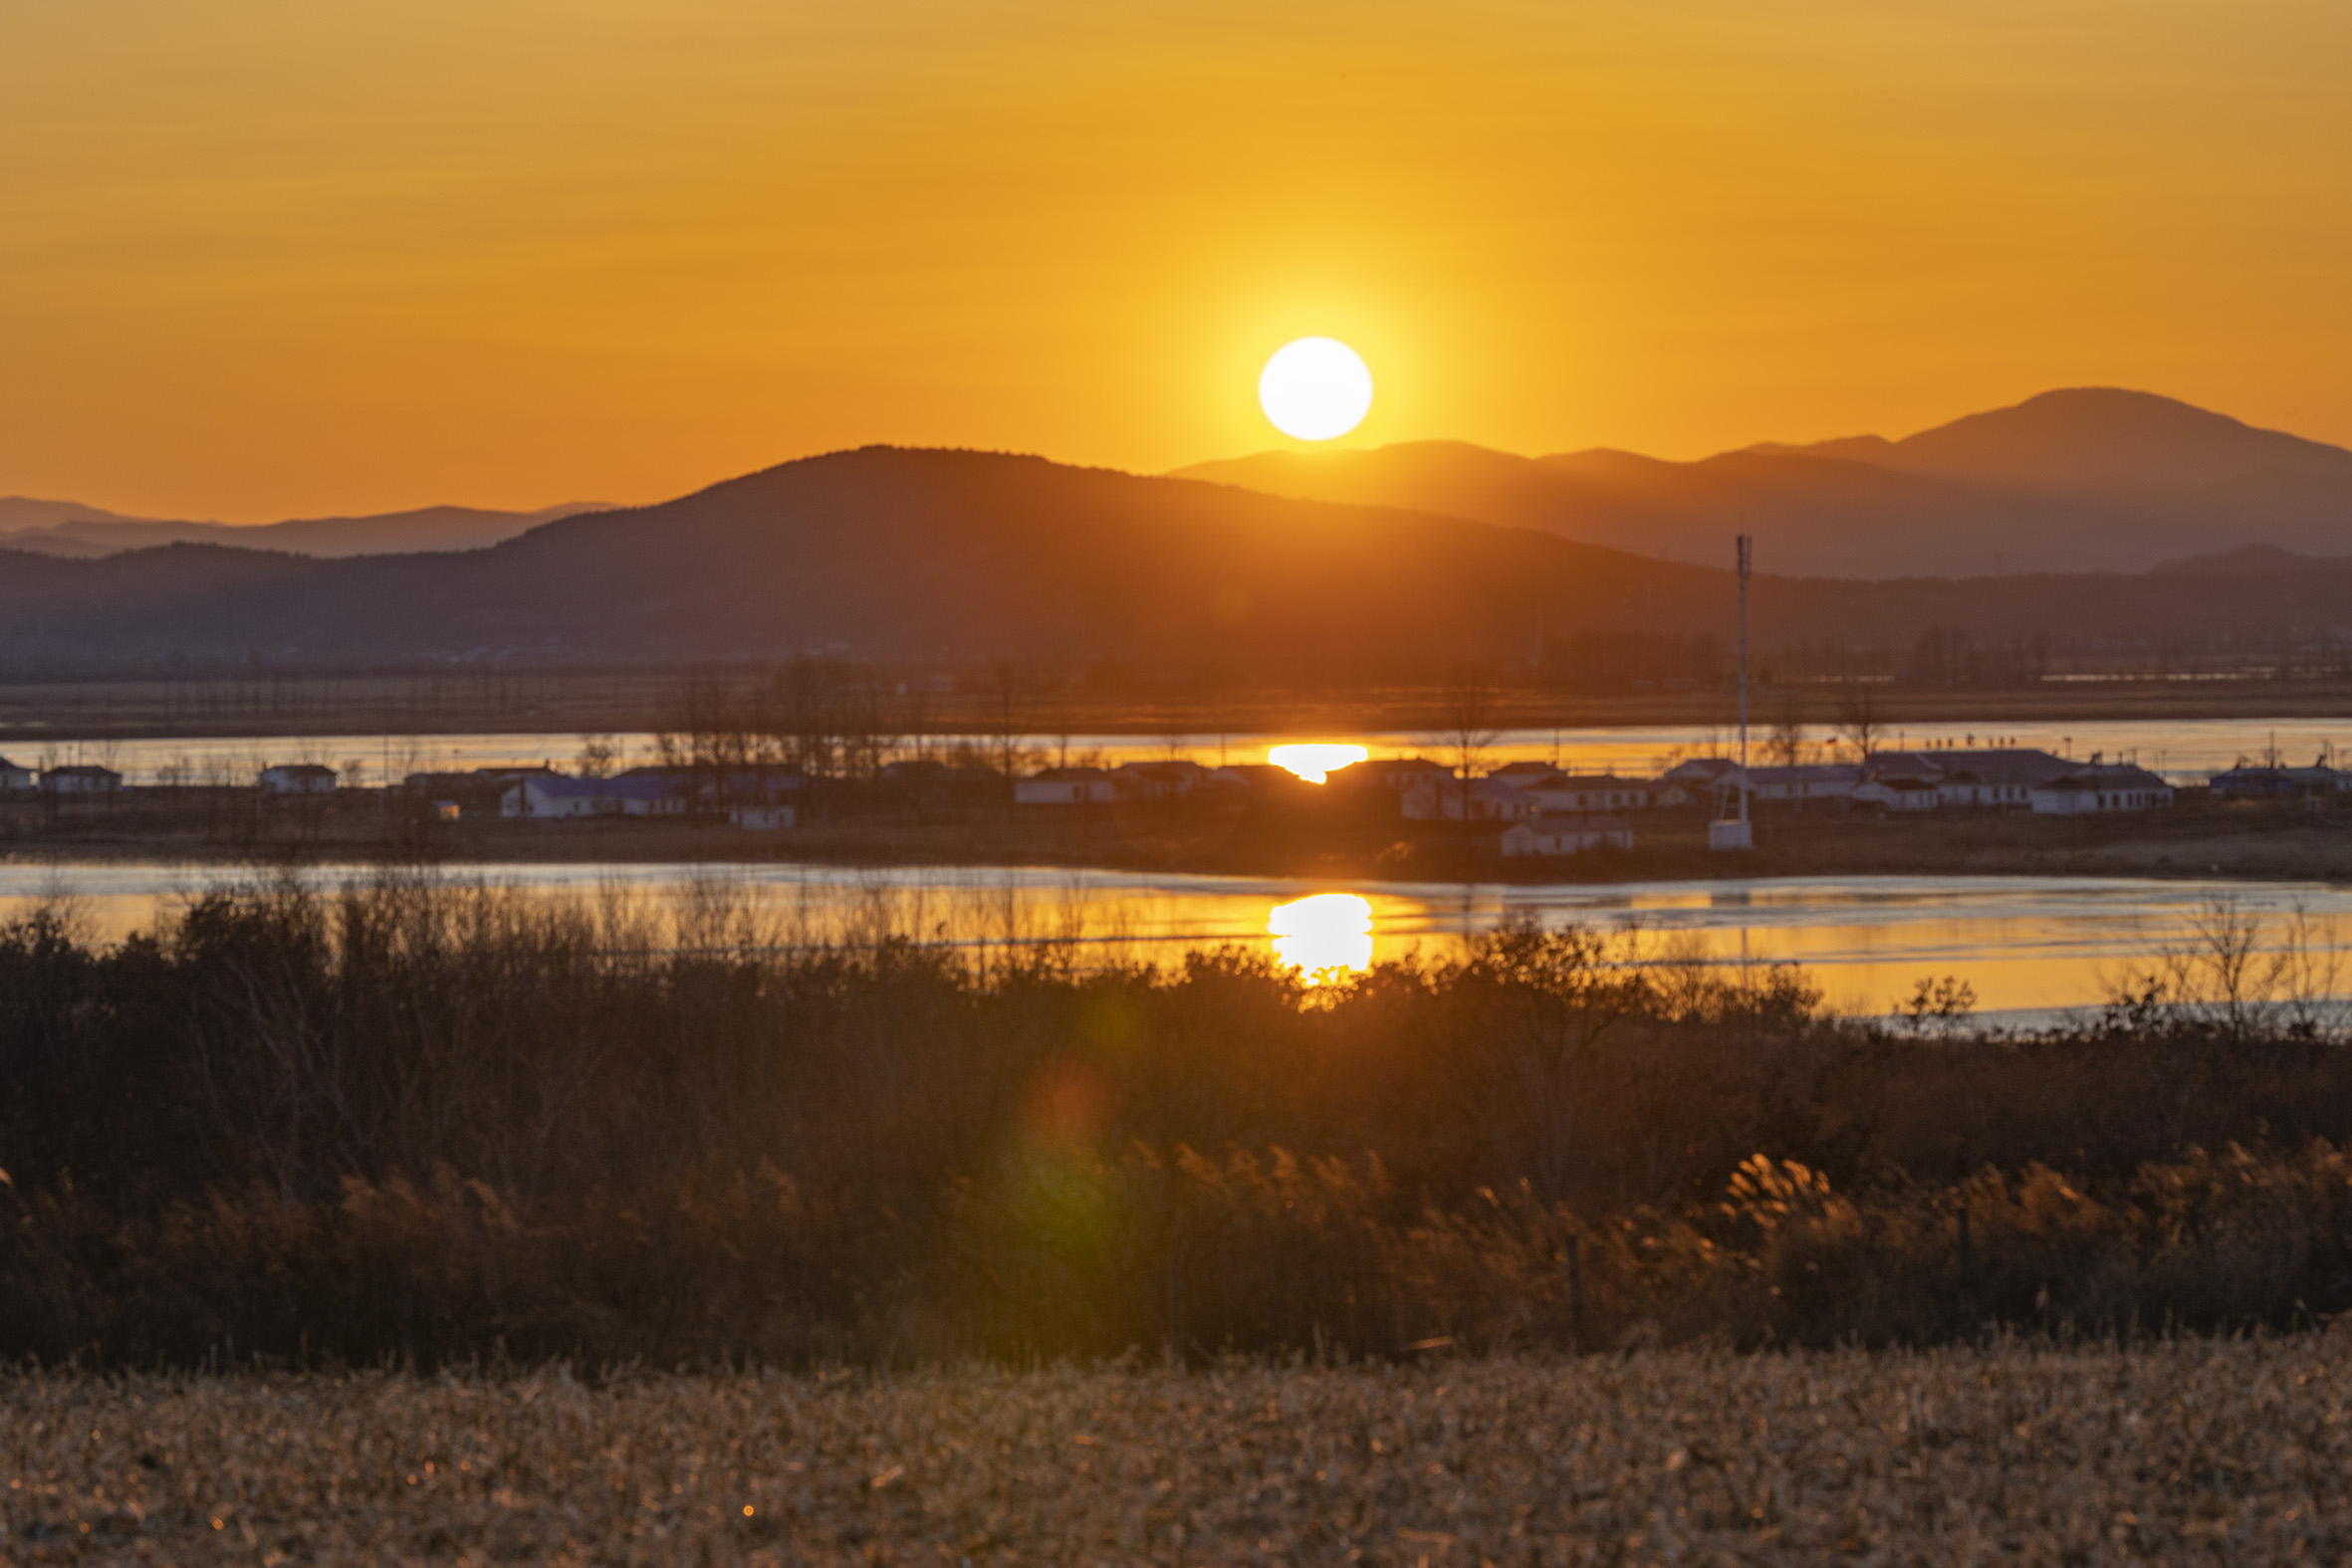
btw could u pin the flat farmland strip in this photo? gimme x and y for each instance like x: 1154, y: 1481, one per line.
x: 2193, y: 1451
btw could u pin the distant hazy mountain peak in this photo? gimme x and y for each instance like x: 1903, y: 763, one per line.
x: 18, y: 513
x: 65, y: 527
x: 2081, y: 479
x: 1859, y: 449
x: 2092, y: 435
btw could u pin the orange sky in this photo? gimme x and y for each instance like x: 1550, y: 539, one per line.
x: 266, y: 258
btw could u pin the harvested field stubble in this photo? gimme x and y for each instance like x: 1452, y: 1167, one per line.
x: 2192, y: 1451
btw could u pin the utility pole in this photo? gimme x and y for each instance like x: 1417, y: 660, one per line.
x: 1735, y: 833
x: 1745, y: 545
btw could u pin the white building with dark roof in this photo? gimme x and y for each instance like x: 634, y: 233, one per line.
x: 551, y: 797
x: 1577, y: 794
x: 1555, y: 833
x: 2094, y: 790
x: 1066, y: 787
x: 1486, y: 800
x: 1157, y: 781
x: 81, y: 778
x: 297, y: 779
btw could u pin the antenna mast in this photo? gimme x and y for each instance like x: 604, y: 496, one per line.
x: 1735, y: 833
x: 1745, y: 545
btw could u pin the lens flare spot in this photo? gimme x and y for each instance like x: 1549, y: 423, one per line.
x: 1066, y: 1107
x: 1314, y: 763
x: 1328, y: 932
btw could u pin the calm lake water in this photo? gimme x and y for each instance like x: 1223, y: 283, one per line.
x: 2185, y: 750
x: 2031, y: 946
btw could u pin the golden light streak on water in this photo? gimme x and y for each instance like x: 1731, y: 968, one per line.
x: 1325, y: 932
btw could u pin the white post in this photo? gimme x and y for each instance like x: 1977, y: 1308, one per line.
x: 1735, y: 833
x: 1745, y: 544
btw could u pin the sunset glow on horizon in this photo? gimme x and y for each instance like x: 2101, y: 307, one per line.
x: 1314, y: 762
x: 264, y: 260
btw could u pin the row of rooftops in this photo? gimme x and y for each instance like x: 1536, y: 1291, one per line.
x: 1990, y: 766
x: 74, y: 779
x: 2015, y: 765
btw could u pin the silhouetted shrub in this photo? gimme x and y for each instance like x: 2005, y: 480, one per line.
x: 428, y: 1122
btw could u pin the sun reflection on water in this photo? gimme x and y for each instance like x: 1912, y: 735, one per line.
x: 1329, y: 931
x: 1314, y: 763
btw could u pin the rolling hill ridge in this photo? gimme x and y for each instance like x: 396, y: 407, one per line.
x: 66, y: 528
x: 2081, y: 480
x: 898, y: 554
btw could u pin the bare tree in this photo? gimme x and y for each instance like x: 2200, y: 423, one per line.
x: 597, y: 754
x: 1469, y: 730
x: 1860, y: 721
x: 722, y: 739
x: 1787, y: 743
x: 1007, y: 716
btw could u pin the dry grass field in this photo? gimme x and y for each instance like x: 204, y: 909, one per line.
x: 2222, y: 1452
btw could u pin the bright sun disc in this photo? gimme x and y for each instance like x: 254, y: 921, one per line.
x: 1316, y: 389
x: 1314, y: 763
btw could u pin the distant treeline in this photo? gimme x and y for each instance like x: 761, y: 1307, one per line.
x: 422, y: 1122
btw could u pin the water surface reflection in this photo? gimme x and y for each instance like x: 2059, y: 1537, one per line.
x: 1321, y: 932
x: 2028, y: 944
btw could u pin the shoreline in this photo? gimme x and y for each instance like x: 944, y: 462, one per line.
x: 2196, y: 841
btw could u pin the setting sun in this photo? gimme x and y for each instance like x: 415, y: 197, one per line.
x: 1316, y: 389
x: 1315, y: 764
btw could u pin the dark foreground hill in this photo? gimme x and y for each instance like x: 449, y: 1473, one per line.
x: 893, y: 554
x: 883, y: 552
x: 2083, y: 479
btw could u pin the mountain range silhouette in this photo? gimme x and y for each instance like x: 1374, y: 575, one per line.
x: 925, y: 554
x: 2083, y: 479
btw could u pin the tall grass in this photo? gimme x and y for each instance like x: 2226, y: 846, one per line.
x: 431, y: 1121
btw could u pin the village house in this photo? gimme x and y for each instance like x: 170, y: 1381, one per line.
x: 1587, y: 792
x: 1444, y: 799
x: 82, y: 779
x: 1064, y: 786
x: 2001, y: 779
x: 2270, y: 782
x: 2094, y: 788
x: 553, y: 798
x: 721, y: 789
x: 1799, y: 786
x: 1997, y: 779
x: 1397, y: 773
x: 1696, y: 772
x: 1987, y: 789
x: 1157, y: 781
x: 1566, y: 834
x: 481, y: 790
x: 14, y: 778
x: 1802, y: 783
x: 1898, y: 787
x: 298, y: 778
x: 1256, y: 777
